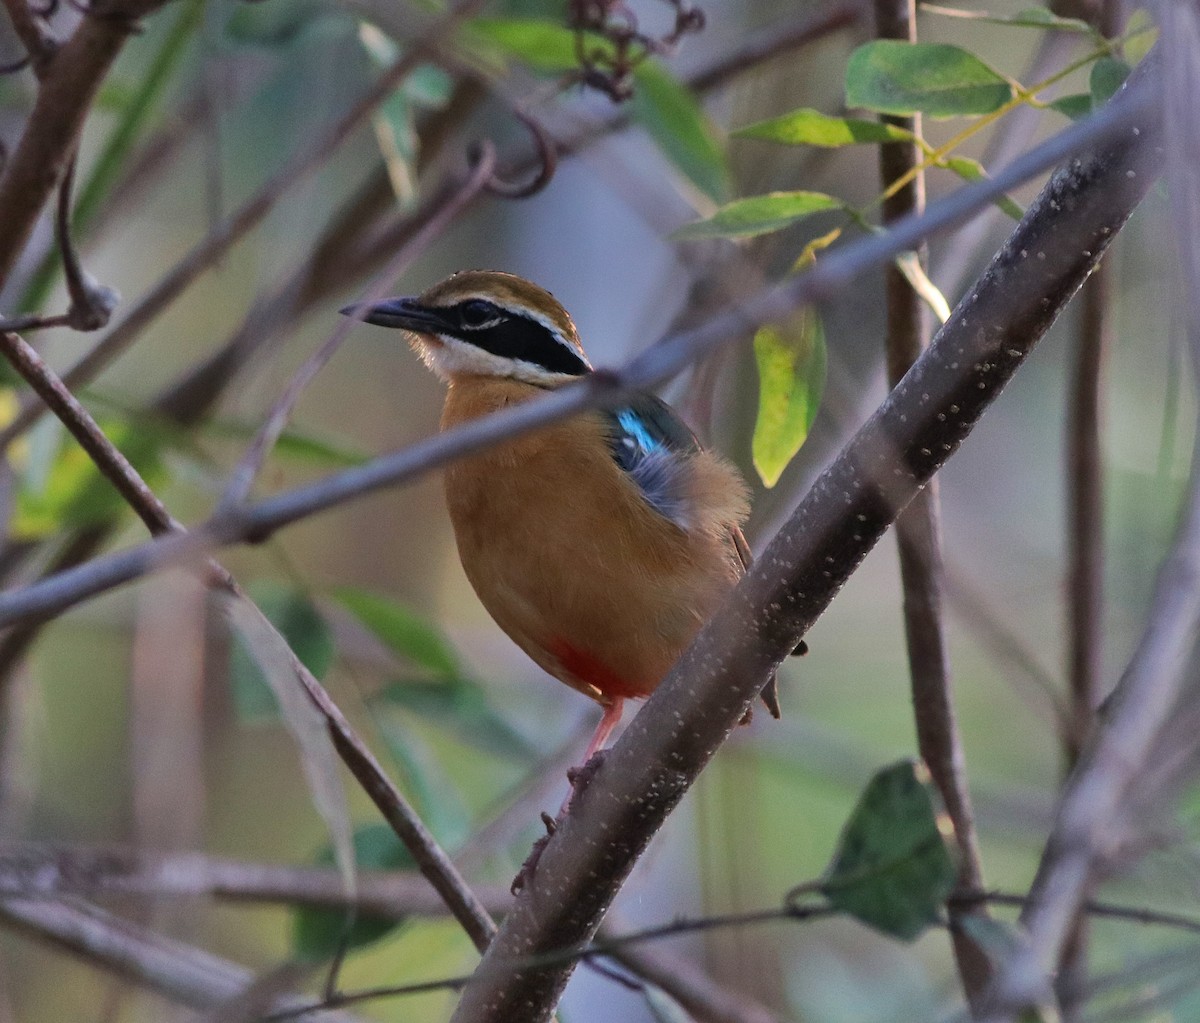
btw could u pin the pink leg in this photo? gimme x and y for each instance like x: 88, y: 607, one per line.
x: 610, y: 720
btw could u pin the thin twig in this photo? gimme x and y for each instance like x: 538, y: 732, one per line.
x: 238, y: 224
x: 431, y: 859
x: 58, y: 592
x: 1093, y: 801
x: 35, y: 35
x: 66, y: 91
x: 39, y: 870
x: 178, y: 971
x: 242, y: 479
x: 919, y: 533
x: 778, y: 41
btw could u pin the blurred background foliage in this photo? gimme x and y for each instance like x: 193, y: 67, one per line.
x: 206, y: 106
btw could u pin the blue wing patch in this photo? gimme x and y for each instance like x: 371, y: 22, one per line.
x: 654, y: 446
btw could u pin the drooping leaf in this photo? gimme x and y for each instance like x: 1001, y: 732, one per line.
x: 972, y: 170
x: 306, y: 632
x: 401, y: 631
x: 320, y: 933
x: 1108, y: 75
x: 909, y: 265
x: 812, y: 128
x: 1076, y: 106
x: 894, y: 866
x: 759, y: 214
x: 937, y: 79
x: 791, y: 362
x: 282, y: 670
x: 1030, y: 17
x: 677, y: 123
x: 460, y: 706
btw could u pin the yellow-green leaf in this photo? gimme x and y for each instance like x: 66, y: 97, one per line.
x: 813, y: 128
x: 909, y: 265
x: 972, y: 170
x: 759, y: 214
x: 791, y: 377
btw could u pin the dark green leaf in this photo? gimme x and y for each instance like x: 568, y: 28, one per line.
x: 319, y: 933
x: 401, y: 631
x: 435, y: 795
x: 744, y: 218
x: 812, y: 128
x: 1076, y: 106
x: 460, y: 706
x: 1108, y: 75
x: 277, y: 26
x: 306, y: 632
x: 937, y: 79
x: 972, y: 170
x: 791, y: 378
x: 894, y: 866
x: 674, y: 119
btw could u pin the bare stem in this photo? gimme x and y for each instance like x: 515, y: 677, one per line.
x: 919, y: 532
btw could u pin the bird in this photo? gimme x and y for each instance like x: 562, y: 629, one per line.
x: 600, y: 544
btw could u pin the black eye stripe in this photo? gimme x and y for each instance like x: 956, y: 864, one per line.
x: 516, y: 337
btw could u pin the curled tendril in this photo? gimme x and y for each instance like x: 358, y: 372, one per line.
x: 610, y: 69
x: 547, y: 164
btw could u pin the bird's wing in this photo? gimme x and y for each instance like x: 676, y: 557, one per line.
x: 653, y: 446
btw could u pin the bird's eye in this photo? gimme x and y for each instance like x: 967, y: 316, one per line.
x: 478, y: 313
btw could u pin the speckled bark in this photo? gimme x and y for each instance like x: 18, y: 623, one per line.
x: 912, y: 434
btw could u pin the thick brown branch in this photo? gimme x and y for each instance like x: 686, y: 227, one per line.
x: 891, y: 458
x: 835, y: 271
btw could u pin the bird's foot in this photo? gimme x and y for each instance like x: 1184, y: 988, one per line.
x: 529, y: 867
x: 581, y: 776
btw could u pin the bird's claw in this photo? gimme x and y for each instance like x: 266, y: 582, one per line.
x: 529, y: 867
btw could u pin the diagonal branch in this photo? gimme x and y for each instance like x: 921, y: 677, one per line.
x: 178, y: 971
x: 913, y: 433
x: 429, y: 856
x: 255, y: 522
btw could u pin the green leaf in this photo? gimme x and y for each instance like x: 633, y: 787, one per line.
x: 545, y: 46
x: 937, y: 79
x: 67, y: 490
x: 972, y: 170
x: 306, y: 632
x: 1030, y: 17
x: 435, y: 795
x: 320, y: 933
x: 791, y: 378
x: 894, y: 866
x: 404, y: 633
x: 812, y: 128
x: 672, y: 117
x: 909, y: 265
x: 1108, y: 75
x: 1076, y: 106
x: 460, y: 706
x: 759, y: 214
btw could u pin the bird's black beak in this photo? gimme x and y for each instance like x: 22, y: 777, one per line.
x: 404, y: 313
